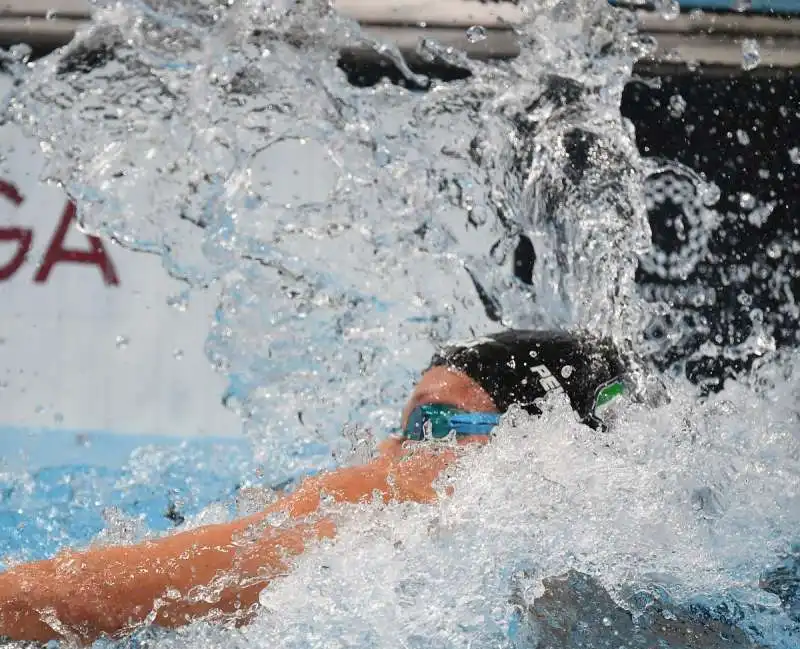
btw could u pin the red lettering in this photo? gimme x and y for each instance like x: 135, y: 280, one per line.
x: 57, y: 253
x: 10, y: 192
x: 23, y: 238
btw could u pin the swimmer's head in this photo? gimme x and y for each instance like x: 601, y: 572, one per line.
x: 492, y: 373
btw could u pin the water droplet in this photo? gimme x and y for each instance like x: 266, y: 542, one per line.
x: 742, y: 5
x: 774, y: 250
x: 276, y: 519
x: 744, y: 138
x: 39, y: 409
x: 122, y: 342
x: 476, y: 34
x: 710, y: 194
x: 427, y: 50
x: 606, y: 622
x: 794, y: 155
x: 677, y: 105
x: 382, y: 155
x: 51, y: 14
x: 58, y: 418
x: 567, y: 371
x: 669, y: 9
x: 177, y: 354
x: 747, y: 201
x: 20, y: 53
x: 751, y: 54
x: 179, y: 301
x: 696, y: 15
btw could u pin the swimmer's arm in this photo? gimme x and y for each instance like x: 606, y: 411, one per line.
x: 109, y: 590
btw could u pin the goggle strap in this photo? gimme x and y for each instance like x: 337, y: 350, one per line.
x: 475, y: 418
x: 474, y: 423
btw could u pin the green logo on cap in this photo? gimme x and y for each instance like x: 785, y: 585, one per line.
x: 608, y: 392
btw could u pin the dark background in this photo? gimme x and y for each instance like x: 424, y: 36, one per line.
x: 736, y: 264
x: 765, y: 106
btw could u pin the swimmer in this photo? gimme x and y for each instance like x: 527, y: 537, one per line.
x: 83, y: 595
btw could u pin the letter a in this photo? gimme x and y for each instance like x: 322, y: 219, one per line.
x: 56, y: 252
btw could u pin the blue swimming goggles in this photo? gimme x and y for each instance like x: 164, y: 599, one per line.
x: 436, y: 421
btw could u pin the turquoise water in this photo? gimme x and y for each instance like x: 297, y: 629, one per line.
x: 63, y: 489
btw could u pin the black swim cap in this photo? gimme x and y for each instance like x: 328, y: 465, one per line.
x: 523, y: 366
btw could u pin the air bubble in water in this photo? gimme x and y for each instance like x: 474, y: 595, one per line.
x: 747, y: 201
x: 751, y: 54
x: 476, y: 34
x: 122, y: 342
x: 677, y: 105
x: 794, y: 155
x: 669, y: 9
x: 742, y: 137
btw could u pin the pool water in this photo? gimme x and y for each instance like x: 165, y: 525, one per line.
x: 71, y: 488
x: 346, y: 232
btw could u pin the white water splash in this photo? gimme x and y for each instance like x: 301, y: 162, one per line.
x: 346, y: 230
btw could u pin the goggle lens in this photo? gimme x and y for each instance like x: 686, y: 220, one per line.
x: 436, y: 421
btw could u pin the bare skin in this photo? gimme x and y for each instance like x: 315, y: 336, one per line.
x: 83, y: 595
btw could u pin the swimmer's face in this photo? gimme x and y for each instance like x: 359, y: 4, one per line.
x: 446, y: 386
